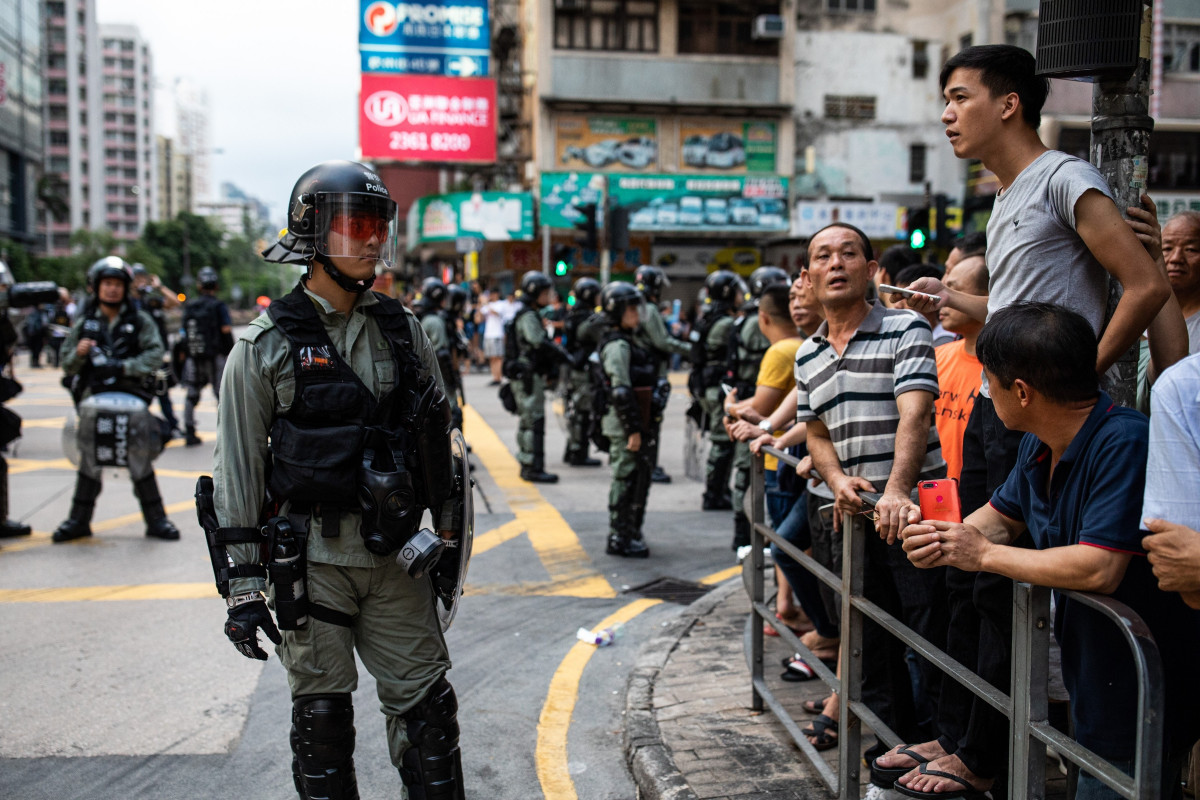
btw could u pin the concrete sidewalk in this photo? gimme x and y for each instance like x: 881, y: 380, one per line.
x: 690, y: 731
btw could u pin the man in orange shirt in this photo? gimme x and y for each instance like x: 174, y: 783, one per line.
x: 958, y: 369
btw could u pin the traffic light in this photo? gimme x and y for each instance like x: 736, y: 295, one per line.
x: 562, y: 260
x: 918, y: 227
x: 941, y: 221
x: 587, y: 225
x: 619, y: 220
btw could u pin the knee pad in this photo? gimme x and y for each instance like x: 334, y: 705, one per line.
x: 323, y: 745
x: 431, y: 767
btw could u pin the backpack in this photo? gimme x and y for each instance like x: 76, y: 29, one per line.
x: 704, y: 375
x: 511, y: 367
x: 202, y: 327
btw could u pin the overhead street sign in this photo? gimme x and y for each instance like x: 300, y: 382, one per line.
x: 450, y: 38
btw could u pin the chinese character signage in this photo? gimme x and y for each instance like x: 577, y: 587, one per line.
x: 492, y: 216
x: 431, y: 38
x: 686, y: 203
x: 427, y: 118
x: 727, y: 147
x: 564, y: 192
x: 876, y: 220
x: 608, y: 143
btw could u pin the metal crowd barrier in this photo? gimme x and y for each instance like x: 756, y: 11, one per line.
x: 1026, y: 708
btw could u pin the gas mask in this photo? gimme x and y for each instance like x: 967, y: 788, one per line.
x: 390, y: 513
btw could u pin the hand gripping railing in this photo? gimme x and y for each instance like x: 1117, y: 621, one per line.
x: 1029, y: 728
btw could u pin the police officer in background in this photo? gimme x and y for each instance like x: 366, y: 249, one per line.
x: 654, y: 336
x: 746, y: 352
x: 456, y: 305
x: 636, y: 398
x: 530, y: 358
x: 724, y: 294
x: 443, y: 335
x: 208, y: 331
x: 582, y: 330
x: 344, y: 384
x: 112, y: 347
x: 154, y: 298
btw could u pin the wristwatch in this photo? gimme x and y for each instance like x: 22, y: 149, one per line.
x: 242, y: 599
x: 765, y: 424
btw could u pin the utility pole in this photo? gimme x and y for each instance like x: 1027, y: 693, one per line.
x: 1120, y: 149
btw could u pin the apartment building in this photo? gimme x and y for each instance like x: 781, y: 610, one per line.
x: 20, y: 118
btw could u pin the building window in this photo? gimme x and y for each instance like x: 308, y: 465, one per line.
x: 724, y: 28
x: 867, y: 6
x: 1181, y: 48
x: 916, y: 163
x: 920, y: 60
x: 847, y: 106
x: 622, y: 25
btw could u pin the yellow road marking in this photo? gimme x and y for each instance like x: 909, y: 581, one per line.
x: 572, y: 573
x: 16, y: 466
x: 721, y: 576
x: 555, y: 720
x: 45, y: 422
x: 77, y: 594
x: 497, y: 536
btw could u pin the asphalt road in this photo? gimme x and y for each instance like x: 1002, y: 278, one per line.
x: 116, y: 680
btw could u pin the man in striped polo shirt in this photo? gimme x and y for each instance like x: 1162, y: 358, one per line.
x: 866, y: 382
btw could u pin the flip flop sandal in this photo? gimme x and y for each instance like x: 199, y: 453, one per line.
x: 798, y: 671
x: 824, y: 729
x: 814, y: 706
x: 967, y: 792
x: 769, y: 630
x: 887, y: 776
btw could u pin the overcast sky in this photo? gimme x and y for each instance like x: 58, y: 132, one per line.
x: 282, y: 80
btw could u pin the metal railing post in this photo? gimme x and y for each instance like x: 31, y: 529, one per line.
x: 850, y: 658
x: 1029, y: 678
x: 757, y: 516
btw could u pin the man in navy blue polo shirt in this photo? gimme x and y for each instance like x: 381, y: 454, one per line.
x: 1076, y: 488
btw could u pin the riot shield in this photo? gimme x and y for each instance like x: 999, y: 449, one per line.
x: 115, y: 429
x: 450, y: 574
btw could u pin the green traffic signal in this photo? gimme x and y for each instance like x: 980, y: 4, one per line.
x: 916, y: 239
x: 561, y: 268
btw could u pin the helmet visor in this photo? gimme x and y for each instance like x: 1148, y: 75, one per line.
x: 358, y: 226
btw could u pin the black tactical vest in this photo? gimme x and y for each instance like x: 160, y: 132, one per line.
x: 643, y: 368
x: 317, y: 447
x: 120, y: 343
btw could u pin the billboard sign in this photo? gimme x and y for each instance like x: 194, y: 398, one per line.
x: 427, y: 118
x: 695, y: 203
x: 425, y: 38
x: 608, y: 143
x: 876, y: 220
x: 491, y: 216
x: 562, y: 193
x: 727, y: 147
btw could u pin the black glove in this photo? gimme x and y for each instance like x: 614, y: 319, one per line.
x: 243, y: 625
x: 110, y: 369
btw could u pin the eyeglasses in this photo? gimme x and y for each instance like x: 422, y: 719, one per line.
x: 360, y: 227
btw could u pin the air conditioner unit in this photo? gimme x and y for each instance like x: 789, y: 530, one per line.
x: 767, y: 26
x: 571, y: 5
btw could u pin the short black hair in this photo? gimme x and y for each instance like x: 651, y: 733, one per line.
x: 972, y: 244
x: 868, y: 251
x: 895, y: 258
x: 1004, y: 68
x: 913, y: 271
x: 1048, y: 346
x: 774, y: 302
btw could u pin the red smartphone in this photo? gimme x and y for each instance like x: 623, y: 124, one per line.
x: 939, y: 500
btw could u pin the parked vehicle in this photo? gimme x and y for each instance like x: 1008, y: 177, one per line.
x: 667, y: 215
x: 743, y: 211
x: 691, y: 211
x: 694, y: 149
x: 771, y: 214
x: 638, y: 152
x: 725, y: 151
x: 716, y: 211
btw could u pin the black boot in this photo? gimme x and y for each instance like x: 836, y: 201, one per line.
x: 157, y: 524
x: 78, y: 524
x: 717, y: 496
x: 536, y: 472
x: 579, y: 458
x: 659, y: 475
x: 741, y: 531
x: 190, y: 438
x: 8, y: 529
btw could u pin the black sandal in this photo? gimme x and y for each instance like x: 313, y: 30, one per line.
x: 887, y: 776
x: 825, y: 730
x: 967, y: 792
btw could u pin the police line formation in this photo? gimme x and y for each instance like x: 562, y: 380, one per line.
x: 339, y: 428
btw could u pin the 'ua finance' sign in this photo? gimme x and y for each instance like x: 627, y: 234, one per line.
x: 427, y: 118
x: 425, y: 38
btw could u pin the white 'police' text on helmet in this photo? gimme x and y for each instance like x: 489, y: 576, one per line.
x: 616, y: 298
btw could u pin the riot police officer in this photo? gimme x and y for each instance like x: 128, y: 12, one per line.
x: 208, y: 332
x: 154, y: 299
x: 582, y: 330
x: 724, y: 294
x: 443, y: 336
x: 452, y: 313
x: 653, y: 334
x: 113, y: 347
x: 344, y: 385
x: 636, y: 398
x: 530, y: 358
x: 745, y: 354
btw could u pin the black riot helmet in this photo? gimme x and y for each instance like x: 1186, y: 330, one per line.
x: 650, y: 281
x: 587, y: 292
x: 433, y: 293
x: 338, y: 208
x: 109, y: 267
x: 725, y: 287
x: 763, y: 277
x: 616, y: 298
x: 533, y: 283
x: 207, y: 278
x: 458, y: 299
